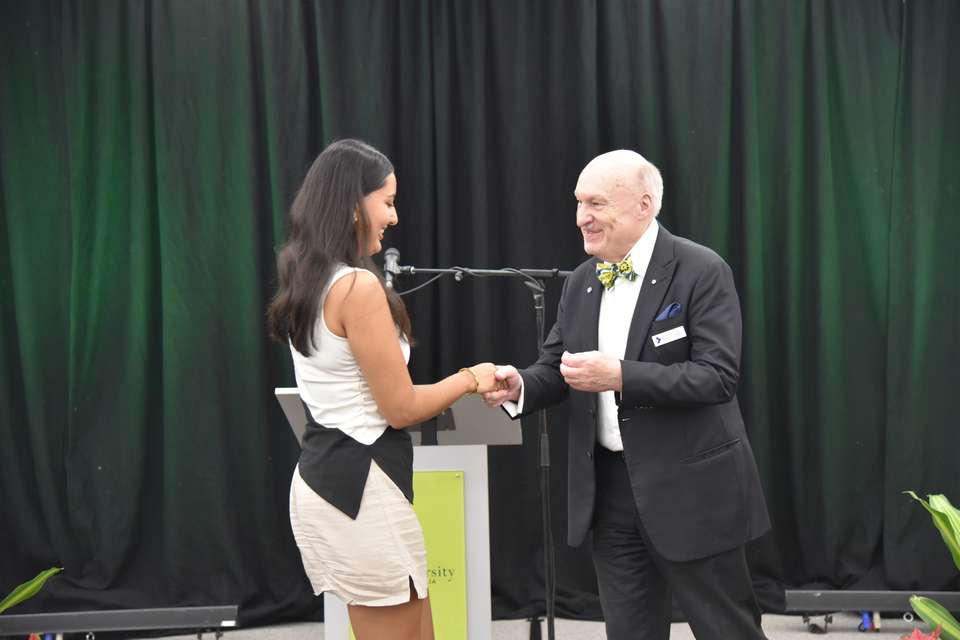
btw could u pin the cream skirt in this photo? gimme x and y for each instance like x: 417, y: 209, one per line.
x: 368, y: 561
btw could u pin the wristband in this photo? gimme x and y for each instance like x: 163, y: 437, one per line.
x: 476, y: 379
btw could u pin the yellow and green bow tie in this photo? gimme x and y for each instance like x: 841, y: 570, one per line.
x: 608, y: 272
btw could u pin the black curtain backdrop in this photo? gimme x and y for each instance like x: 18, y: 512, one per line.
x: 148, y: 154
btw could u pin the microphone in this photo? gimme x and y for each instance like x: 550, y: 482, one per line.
x: 391, y: 265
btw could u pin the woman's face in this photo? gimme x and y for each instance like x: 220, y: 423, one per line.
x: 381, y: 212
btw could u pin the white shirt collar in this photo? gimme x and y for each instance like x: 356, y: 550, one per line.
x: 642, y: 251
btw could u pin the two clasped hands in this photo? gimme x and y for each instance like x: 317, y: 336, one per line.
x: 585, y: 371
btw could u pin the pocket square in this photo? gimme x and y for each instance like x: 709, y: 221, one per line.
x: 669, y: 311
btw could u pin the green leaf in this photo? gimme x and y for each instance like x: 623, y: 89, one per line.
x: 949, y: 524
x: 946, y: 518
x: 27, y: 589
x: 934, y: 614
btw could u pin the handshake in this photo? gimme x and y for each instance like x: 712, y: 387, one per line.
x: 497, y: 384
x: 591, y: 371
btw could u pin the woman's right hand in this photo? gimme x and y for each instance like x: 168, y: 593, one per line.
x: 485, y: 377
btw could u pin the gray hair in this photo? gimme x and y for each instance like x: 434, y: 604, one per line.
x: 653, y: 181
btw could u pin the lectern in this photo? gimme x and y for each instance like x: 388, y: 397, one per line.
x: 462, y: 436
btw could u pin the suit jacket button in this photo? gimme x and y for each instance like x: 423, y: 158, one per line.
x: 590, y: 454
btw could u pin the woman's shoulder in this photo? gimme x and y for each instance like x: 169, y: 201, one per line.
x: 353, y: 274
x: 355, y: 281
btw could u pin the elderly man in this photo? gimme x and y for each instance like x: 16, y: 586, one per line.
x: 646, y: 348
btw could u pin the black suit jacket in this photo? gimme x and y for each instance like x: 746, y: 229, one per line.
x: 691, y: 467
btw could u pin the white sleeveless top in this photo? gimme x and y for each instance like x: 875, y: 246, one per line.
x: 331, y: 383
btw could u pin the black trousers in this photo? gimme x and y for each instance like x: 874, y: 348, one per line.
x: 636, y: 583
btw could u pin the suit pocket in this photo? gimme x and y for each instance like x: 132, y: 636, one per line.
x: 706, y: 454
x: 668, y: 340
x: 658, y: 326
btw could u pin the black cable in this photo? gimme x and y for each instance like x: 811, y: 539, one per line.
x: 458, y: 273
x: 533, y: 283
x: 421, y: 286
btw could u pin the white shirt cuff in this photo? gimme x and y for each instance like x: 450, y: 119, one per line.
x: 514, y: 409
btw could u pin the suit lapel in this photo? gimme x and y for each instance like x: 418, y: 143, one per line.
x: 655, y: 284
x: 593, y: 291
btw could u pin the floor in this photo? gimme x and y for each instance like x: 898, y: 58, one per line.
x: 777, y: 627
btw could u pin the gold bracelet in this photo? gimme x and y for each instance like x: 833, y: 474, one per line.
x: 475, y: 378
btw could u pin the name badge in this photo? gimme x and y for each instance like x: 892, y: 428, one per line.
x: 669, y: 336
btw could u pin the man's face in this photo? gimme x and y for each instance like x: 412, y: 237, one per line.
x: 612, y: 211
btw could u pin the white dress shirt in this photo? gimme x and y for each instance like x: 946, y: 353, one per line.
x: 616, y: 314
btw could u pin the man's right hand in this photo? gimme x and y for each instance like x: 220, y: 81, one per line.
x: 510, y: 391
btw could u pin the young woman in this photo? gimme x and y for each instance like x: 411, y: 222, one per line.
x: 351, y: 494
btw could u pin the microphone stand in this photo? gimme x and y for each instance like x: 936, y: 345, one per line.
x: 533, y: 279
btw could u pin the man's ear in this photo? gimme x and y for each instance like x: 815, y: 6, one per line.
x: 645, y: 208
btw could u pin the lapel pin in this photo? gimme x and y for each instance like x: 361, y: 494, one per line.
x: 589, y: 289
x: 654, y: 281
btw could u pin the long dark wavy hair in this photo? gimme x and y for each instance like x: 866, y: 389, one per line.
x: 323, y: 233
